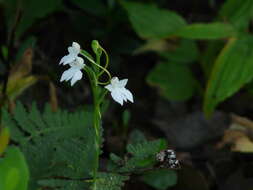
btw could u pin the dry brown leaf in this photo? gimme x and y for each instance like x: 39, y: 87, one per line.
x: 53, y: 97
x: 238, y: 135
x: 23, y: 67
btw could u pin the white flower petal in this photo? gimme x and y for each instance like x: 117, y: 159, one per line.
x: 68, y: 74
x: 67, y: 59
x: 76, y: 47
x: 122, y: 83
x: 77, y: 76
x: 116, y: 95
x: 109, y: 87
x: 118, y: 91
x: 114, y: 81
x: 71, y: 50
x: 128, y: 95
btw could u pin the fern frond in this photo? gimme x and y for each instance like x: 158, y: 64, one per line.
x: 55, y: 144
x: 147, y: 148
x: 110, y: 181
x: 142, y: 155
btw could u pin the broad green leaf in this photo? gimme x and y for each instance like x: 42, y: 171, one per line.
x: 160, y: 179
x: 149, y: 21
x: 95, y: 7
x: 34, y: 10
x: 14, y: 173
x: 237, y: 12
x: 209, y: 55
x: 206, y: 31
x: 232, y: 69
x: 186, y: 51
x: 174, y: 81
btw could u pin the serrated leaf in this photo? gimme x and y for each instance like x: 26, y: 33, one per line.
x: 232, y: 69
x: 14, y: 173
x: 110, y: 181
x: 149, y: 21
x: 174, y: 81
x: 209, y: 31
x: 54, y: 143
x: 142, y: 154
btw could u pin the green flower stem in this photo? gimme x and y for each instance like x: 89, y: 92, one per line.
x: 96, y: 120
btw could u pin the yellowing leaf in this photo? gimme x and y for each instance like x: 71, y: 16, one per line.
x: 4, y: 139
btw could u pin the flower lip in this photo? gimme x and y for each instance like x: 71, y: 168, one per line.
x: 74, y: 72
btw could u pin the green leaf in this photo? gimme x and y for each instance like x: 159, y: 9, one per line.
x: 232, y: 69
x: 95, y: 7
x: 160, y: 179
x: 34, y: 10
x: 14, y: 173
x: 110, y: 181
x: 175, y: 81
x: 186, y: 51
x: 237, y: 13
x: 142, y: 155
x: 149, y: 21
x: 207, y: 31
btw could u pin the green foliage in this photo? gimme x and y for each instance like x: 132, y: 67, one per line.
x: 237, y: 13
x: 110, y: 181
x: 160, y: 179
x: 209, y: 31
x: 185, y: 47
x: 232, y: 69
x: 175, y: 81
x: 34, y: 10
x: 151, y: 22
x: 95, y: 7
x: 55, y: 144
x: 14, y: 173
x: 229, y: 65
x: 141, y: 155
x: 59, y: 149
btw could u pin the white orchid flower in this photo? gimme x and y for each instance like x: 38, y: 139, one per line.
x: 73, y: 50
x: 118, y: 91
x: 74, y: 72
